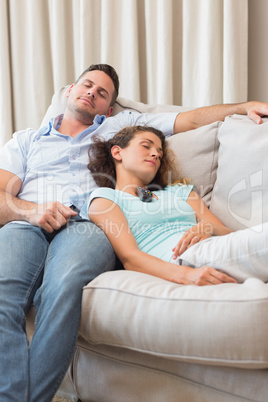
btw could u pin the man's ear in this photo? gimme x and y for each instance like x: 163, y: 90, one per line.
x: 116, y: 152
x: 109, y: 112
x: 67, y: 93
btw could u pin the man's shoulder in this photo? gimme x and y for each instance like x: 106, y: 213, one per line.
x: 32, y: 133
x: 27, y: 135
x: 125, y: 114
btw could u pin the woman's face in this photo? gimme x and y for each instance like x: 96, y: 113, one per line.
x: 142, y: 156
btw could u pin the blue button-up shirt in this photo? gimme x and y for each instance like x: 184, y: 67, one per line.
x: 53, y: 166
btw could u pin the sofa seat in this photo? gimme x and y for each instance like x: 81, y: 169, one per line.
x: 149, y: 315
x: 142, y: 338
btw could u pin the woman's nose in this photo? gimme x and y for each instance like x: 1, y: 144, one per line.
x: 155, y: 154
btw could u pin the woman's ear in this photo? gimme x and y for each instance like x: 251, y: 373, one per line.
x: 116, y: 152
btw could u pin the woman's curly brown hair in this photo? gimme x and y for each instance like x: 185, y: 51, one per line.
x: 101, y: 163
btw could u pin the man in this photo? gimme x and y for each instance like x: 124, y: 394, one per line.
x: 47, y: 251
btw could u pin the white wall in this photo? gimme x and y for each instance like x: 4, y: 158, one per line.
x: 258, y: 50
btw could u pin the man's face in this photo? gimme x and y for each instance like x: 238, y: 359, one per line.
x: 90, y: 96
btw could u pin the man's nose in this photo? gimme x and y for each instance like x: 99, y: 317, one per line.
x: 91, y: 92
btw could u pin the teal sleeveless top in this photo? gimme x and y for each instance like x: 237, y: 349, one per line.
x: 157, y: 225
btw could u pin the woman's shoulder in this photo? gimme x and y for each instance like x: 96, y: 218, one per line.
x: 103, y: 192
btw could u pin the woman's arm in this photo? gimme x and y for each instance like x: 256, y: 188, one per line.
x: 207, y: 225
x: 110, y: 218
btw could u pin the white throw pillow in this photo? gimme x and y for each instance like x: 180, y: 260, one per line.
x: 240, y: 195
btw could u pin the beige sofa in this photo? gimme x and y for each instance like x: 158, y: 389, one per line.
x: 145, y: 339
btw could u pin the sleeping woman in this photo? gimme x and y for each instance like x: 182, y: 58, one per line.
x: 164, y: 229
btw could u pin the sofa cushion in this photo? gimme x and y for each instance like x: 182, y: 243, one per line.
x: 197, y: 157
x: 240, y: 195
x: 219, y: 325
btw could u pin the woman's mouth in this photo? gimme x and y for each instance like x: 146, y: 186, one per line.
x: 152, y: 162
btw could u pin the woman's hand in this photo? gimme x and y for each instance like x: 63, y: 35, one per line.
x: 203, y: 230
x: 202, y: 276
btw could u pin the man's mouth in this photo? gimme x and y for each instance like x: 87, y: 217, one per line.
x: 87, y: 100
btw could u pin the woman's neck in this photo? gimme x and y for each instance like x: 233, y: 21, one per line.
x: 130, y: 185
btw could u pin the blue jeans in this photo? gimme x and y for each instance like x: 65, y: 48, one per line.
x: 49, y: 270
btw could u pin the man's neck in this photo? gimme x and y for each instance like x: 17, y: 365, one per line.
x: 72, y: 126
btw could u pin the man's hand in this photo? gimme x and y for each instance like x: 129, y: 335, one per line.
x: 50, y: 216
x: 256, y: 110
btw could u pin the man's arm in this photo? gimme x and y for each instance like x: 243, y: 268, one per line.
x: 49, y: 216
x: 205, y: 115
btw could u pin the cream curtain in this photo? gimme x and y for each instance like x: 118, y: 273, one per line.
x: 184, y: 52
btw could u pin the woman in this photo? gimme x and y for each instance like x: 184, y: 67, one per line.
x: 160, y: 229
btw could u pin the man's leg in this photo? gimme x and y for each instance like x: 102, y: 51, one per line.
x: 23, y: 251
x: 76, y: 255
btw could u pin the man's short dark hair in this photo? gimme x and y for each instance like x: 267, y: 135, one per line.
x: 110, y: 71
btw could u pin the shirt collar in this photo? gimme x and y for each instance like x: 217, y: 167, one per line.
x: 55, y: 122
x: 99, y: 119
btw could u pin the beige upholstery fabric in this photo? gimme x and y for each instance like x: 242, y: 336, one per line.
x: 197, y: 157
x: 104, y: 373
x: 240, y: 196
x: 211, y: 324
